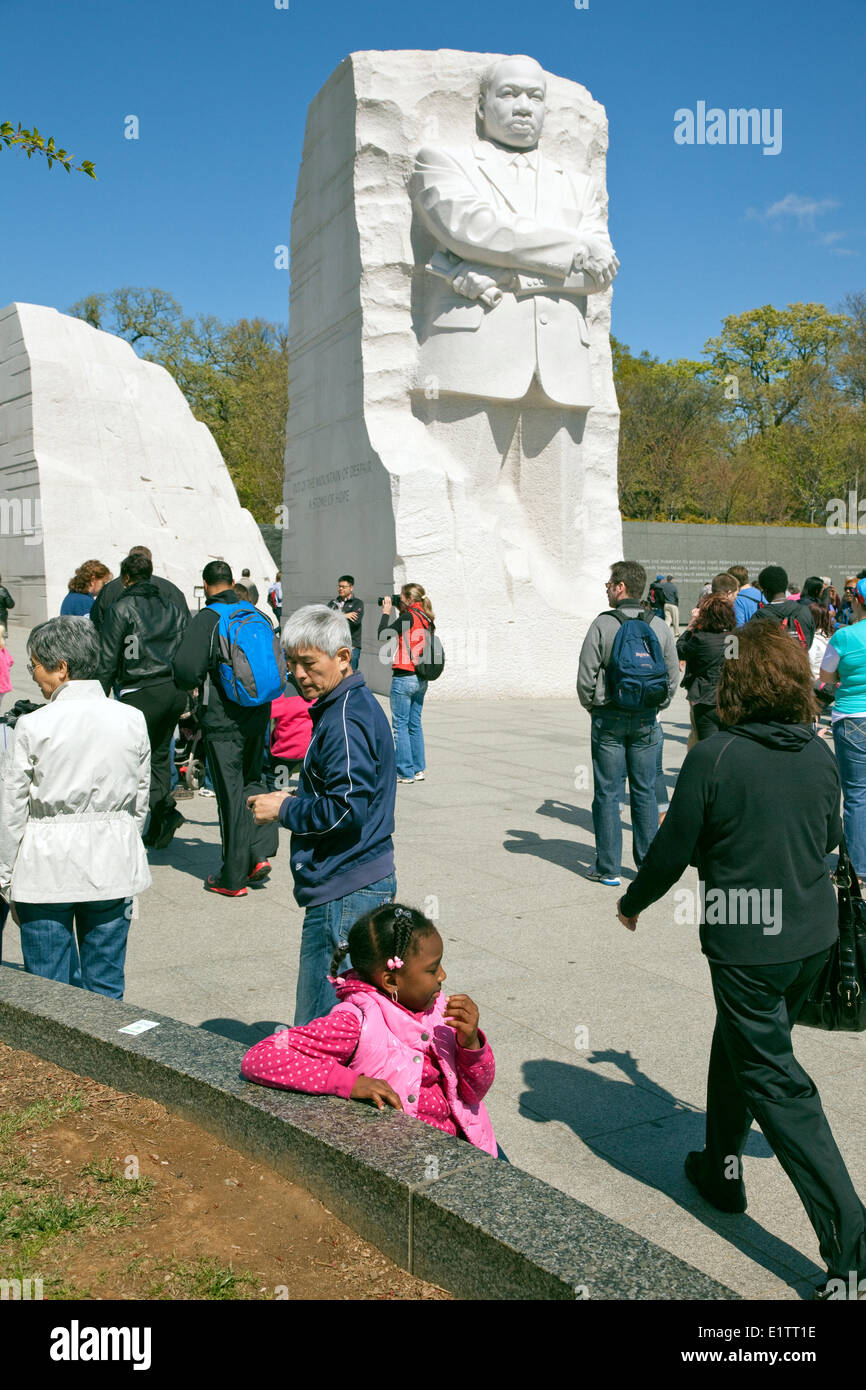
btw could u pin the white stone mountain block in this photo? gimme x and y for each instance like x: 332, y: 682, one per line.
x: 107, y: 446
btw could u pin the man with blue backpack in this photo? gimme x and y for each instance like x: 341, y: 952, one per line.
x: 628, y: 671
x: 232, y: 655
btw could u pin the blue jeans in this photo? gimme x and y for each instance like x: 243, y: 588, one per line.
x: 662, y: 797
x: 849, y: 739
x: 356, y: 656
x: 407, y: 698
x: 326, y: 927
x: 48, y: 945
x: 623, y: 745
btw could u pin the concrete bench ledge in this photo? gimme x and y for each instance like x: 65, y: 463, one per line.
x: 438, y: 1207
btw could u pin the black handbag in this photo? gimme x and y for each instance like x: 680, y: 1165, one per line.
x: 837, y: 1000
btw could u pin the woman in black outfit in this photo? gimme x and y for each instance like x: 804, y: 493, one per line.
x: 703, y: 647
x: 756, y: 810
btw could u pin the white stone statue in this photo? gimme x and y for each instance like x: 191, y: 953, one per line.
x: 520, y: 243
x: 453, y: 420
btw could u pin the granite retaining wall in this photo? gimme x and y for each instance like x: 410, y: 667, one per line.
x: 438, y: 1207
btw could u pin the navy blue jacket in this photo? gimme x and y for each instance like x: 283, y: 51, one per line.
x: 342, y: 817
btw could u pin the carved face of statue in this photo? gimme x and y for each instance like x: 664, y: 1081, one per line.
x: 511, y: 106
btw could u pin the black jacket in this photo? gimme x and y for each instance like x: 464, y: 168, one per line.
x: 351, y: 605
x: 195, y: 666
x: 756, y: 810
x: 704, y: 655
x: 140, y: 633
x: 111, y: 592
x: 6, y: 602
x: 789, y: 608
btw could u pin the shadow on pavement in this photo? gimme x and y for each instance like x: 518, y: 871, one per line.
x: 578, y: 858
x: 248, y: 1033
x: 563, y: 810
x: 588, y: 1102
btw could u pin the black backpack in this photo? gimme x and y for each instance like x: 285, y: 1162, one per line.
x: 432, y: 664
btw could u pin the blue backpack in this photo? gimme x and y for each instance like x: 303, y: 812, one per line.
x: 252, y: 664
x: 636, y: 677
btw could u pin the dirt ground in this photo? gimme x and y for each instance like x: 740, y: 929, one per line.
x: 105, y: 1195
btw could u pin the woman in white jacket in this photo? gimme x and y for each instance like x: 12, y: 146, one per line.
x: 73, y: 803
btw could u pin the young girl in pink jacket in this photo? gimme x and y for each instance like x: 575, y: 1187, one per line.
x: 393, y: 1038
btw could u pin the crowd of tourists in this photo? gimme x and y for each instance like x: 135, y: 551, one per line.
x: 86, y: 793
x: 77, y: 818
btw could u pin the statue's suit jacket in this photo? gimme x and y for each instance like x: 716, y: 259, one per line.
x: 474, y: 206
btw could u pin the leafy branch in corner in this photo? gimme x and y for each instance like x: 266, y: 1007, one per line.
x: 31, y: 142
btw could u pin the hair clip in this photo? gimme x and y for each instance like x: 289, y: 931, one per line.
x: 395, y: 963
x: 403, y: 912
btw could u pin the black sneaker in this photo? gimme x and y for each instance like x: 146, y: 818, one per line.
x: 173, y: 821
x: 730, y: 1198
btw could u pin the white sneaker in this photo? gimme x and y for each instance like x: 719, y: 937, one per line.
x: 206, y: 791
x: 406, y: 779
x: 419, y: 777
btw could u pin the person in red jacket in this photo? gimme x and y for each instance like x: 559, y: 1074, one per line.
x: 411, y: 624
x: 291, y: 731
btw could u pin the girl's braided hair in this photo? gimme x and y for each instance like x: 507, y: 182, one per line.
x: 389, y: 930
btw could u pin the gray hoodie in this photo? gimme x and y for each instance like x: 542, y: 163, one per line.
x: 598, y: 645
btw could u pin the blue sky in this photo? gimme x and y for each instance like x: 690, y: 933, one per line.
x: 221, y: 88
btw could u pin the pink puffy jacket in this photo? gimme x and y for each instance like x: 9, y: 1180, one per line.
x: 392, y: 1044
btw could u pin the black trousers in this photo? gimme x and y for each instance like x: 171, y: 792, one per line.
x: 162, y: 706
x: 753, y: 1072
x: 234, y: 759
x: 279, y: 771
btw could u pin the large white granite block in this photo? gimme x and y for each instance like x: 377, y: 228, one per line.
x: 101, y: 450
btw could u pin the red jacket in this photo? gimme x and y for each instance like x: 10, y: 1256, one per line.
x: 411, y: 627
x: 293, y: 727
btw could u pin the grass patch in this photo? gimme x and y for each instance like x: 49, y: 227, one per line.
x: 203, y: 1278
x: 43, y: 1217
x: 102, y: 1171
x: 14, y: 1171
x: 38, y: 1115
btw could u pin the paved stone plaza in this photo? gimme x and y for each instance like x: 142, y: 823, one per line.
x: 601, y: 1038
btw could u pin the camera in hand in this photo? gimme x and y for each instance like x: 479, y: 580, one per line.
x: 395, y: 600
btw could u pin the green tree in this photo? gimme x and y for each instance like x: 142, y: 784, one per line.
x: 31, y: 142
x: 670, y: 434
x: 852, y: 358
x: 772, y: 361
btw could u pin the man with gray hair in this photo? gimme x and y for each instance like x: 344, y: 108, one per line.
x: 342, y: 817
